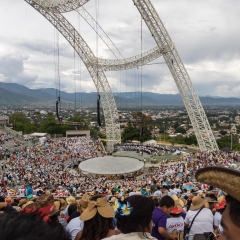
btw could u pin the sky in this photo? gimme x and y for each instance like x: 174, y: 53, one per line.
x: 206, y: 34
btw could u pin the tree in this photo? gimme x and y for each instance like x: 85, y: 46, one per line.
x: 226, y: 142
x: 180, y: 130
x: 17, y: 117
x: 191, y: 140
x: 133, y: 131
x: 223, y: 132
x: 84, y: 123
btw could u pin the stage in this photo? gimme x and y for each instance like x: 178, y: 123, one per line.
x: 110, y: 165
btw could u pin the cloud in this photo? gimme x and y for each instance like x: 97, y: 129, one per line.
x: 205, y: 35
x: 12, y: 69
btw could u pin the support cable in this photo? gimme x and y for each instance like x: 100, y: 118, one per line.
x: 141, y: 127
x: 99, y: 97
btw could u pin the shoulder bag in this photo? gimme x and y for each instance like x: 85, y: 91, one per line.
x: 187, y: 229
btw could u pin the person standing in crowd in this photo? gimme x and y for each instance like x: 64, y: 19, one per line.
x: 76, y: 224
x: 29, y: 190
x: 22, y: 191
x: 176, y: 221
x: 98, y: 220
x: 220, y: 207
x: 203, y: 222
x: 134, y: 218
x: 153, y: 187
x: 159, y: 219
x: 158, y: 193
x: 228, y: 181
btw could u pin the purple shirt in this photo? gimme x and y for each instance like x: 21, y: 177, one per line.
x: 159, y: 220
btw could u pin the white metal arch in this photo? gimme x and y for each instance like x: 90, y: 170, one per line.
x: 165, y: 47
x: 77, y: 42
x: 190, y: 98
x: 120, y: 63
x: 61, y: 5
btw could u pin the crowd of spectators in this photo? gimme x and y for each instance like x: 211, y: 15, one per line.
x: 161, y: 204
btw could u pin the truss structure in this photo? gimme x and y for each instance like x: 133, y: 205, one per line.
x: 52, y: 9
x: 61, y: 5
x: 77, y: 42
x: 190, y: 98
x: 120, y: 63
x: 101, y: 33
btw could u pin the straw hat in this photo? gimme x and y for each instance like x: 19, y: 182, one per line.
x: 101, y: 206
x: 18, y: 209
x: 71, y: 200
x: 45, y: 205
x: 184, y: 201
x: 112, y: 200
x: 9, y: 200
x: 83, y: 202
x: 174, y: 197
x: 177, y: 200
x: 60, y: 204
x: 22, y: 202
x: 224, y: 178
x: 27, y: 204
x: 198, y: 202
x: 177, y: 209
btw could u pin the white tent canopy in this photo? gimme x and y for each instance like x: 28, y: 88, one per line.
x: 151, y: 142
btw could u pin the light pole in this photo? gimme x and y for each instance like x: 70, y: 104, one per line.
x: 164, y: 132
x: 231, y: 139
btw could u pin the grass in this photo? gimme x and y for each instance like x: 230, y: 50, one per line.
x: 148, y: 159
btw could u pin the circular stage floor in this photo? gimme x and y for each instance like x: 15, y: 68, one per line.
x: 111, y: 165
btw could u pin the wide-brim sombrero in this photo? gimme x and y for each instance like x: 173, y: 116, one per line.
x: 223, y: 178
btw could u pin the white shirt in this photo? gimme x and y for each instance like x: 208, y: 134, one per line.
x: 74, y: 226
x: 175, y: 223
x: 217, y: 221
x: 21, y: 192
x: 202, y: 223
x: 158, y: 193
x: 178, y: 190
x: 172, y: 192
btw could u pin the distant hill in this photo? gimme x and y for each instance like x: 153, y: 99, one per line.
x: 16, y: 94
x: 20, y: 89
x: 11, y: 98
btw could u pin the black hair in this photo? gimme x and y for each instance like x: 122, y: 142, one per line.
x: 97, y: 227
x: 158, y: 188
x: 234, y: 210
x: 166, y: 201
x: 212, y: 195
x: 175, y: 215
x: 2, y: 199
x: 140, y: 217
x: 155, y: 201
x: 30, y: 226
x: 71, y: 209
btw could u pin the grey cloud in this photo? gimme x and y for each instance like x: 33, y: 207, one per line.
x: 12, y: 67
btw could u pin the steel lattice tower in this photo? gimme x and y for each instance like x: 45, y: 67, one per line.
x: 52, y: 10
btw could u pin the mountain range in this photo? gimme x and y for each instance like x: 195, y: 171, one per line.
x: 13, y: 94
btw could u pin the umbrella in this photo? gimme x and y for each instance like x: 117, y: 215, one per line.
x: 226, y: 149
x: 188, y: 187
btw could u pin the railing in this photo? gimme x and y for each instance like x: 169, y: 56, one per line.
x: 14, y: 133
